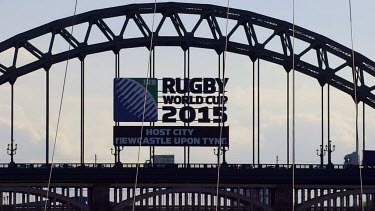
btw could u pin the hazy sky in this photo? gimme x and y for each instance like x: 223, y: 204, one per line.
x: 329, y: 18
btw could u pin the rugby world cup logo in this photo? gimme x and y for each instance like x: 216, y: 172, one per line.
x: 130, y: 101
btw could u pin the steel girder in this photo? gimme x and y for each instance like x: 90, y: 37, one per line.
x: 244, y: 20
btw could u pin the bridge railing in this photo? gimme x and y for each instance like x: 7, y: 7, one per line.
x: 178, y: 165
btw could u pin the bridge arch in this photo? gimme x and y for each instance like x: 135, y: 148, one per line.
x: 211, y: 191
x: 43, y: 193
x: 244, y: 20
x: 308, y: 204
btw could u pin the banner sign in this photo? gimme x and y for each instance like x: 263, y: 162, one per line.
x: 171, y: 135
x: 206, y: 94
x: 129, y: 99
x: 186, y: 100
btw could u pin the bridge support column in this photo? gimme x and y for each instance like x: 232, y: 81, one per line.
x: 98, y: 197
x: 283, y: 198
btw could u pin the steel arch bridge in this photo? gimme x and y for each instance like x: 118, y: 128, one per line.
x: 245, y: 20
x: 242, y: 187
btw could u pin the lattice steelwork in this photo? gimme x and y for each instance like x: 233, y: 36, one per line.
x: 244, y: 20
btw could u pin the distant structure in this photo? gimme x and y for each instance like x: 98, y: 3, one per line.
x: 199, y: 106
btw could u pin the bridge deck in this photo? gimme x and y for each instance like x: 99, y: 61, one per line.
x: 179, y: 173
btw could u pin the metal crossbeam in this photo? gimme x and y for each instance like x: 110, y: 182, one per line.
x: 69, y: 38
x: 214, y: 27
x: 250, y: 34
x: 286, y: 44
x: 3, y: 69
x: 142, y: 25
x: 33, y: 50
x: 179, y: 26
x: 322, y: 58
x: 105, y: 29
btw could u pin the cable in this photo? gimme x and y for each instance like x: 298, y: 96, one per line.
x: 60, y: 108
x: 222, y: 113
x: 293, y: 112
x: 322, y: 126
x: 364, y: 126
x: 144, y: 105
x: 258, y: 109
x: 287, y: 119
x: 355, y: 77
x: 254, y: 113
